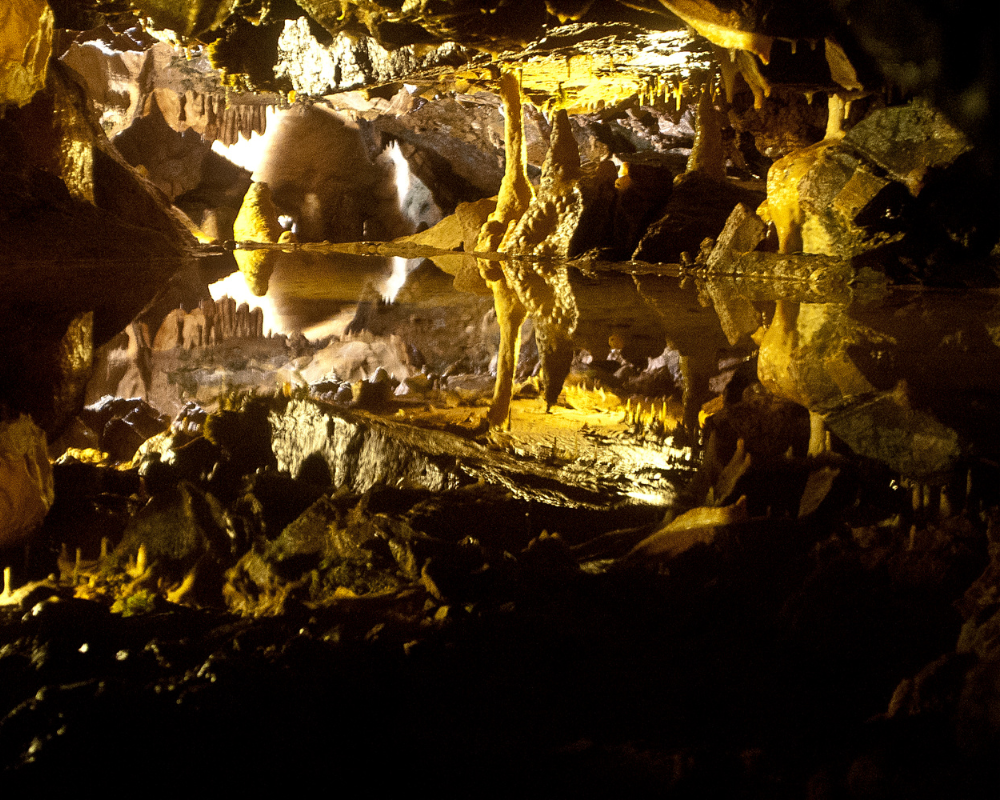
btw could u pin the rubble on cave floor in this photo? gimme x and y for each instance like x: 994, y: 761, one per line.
x: 786, y: 644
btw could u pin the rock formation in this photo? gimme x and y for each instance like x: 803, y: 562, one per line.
x: 26, y: 478
x: 329, y: 181
x: 24, y: 50
x: 742, y: 266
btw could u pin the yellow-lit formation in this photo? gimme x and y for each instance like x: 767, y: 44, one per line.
x: 257, y: 221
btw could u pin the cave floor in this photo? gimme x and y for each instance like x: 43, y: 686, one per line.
x: 761, y: 665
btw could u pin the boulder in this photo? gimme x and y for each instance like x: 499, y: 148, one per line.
x: 895, y: 192
x: 180, y: 531
x: 698, y: 208
x: 27, y: 490
x: 323, y: 173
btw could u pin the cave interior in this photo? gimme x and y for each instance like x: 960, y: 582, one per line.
x: 551, y: 398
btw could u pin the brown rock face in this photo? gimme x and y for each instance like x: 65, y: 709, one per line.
x: 321, y: 174
x: 25, y: 47
x: 76, y: 219
x: 698, y: 209
x: 26, y: 488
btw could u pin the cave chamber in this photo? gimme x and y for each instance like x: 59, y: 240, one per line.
x: 529, y: 399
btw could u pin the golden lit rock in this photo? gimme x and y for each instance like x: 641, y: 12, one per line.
x: 783, y: 206
x: 257, y: 222
x: 694, y: 527
x: 723, y: 28
x: 26, y: 485
x: 841, y: 69
x: 25, y: 47
x: 186, y: 18
x: 74, y: 363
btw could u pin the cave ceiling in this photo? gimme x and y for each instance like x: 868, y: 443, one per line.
x: 582, y: 54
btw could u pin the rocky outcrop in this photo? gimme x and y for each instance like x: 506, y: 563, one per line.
x: 26, y: 486
x: 362, y: 450
x: 353, y: 61
x: 455, y: 169
x: 124, y: 77
x: 204, y: 185
x: 333, y: 185
x: 25, y: 47
x: 76, y: 219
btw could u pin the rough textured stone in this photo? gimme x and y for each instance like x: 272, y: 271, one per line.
x: 363, y: 450
x: 697, y: 209
x: 888, y: 429
x: 26, y: 485
x: 25, y: 47
x: 350, y: 62
x: 457, y: 168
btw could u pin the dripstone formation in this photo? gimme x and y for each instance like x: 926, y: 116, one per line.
x: 558, y: 399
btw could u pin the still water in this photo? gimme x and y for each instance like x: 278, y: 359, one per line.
x: 880, y: 362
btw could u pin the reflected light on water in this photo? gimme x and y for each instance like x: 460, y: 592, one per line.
x: 235, y: 286
x: 400, y: 266
x: 249, y: 154
x: 395, y: 281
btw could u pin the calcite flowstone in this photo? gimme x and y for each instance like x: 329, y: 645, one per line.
x: 854, y: 193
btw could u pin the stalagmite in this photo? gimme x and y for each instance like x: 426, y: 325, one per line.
x: 257, y: 222
x: 208, y: 310
x: 707, y: 155
x: 513, y: 200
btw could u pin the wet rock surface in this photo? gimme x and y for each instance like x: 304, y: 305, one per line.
x: 282, y: 627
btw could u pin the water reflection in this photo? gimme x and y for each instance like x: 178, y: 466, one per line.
x: 905, y: 375
x: 308, y: 291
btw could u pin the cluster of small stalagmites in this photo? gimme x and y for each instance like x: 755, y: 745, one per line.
x: 934, y: 500
x: 213, y: 322
x: 641, y: 414
x: 651, y: 416
x: 374, y: 394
